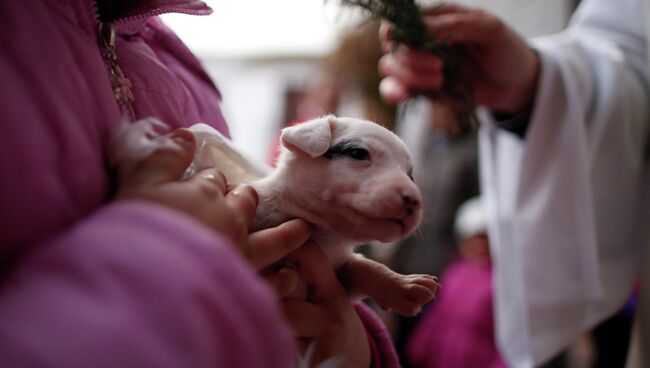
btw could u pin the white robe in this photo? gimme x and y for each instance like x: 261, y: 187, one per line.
x: 568, y: 204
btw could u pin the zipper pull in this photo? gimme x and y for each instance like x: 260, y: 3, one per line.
x: 121, y: 84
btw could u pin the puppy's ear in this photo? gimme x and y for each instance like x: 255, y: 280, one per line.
x: 312, y: 137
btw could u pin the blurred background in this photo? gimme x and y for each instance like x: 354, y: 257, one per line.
x: 284, y: 61
x: 264, y: 54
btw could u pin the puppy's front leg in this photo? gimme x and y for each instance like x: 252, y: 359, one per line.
x: 404, y: 294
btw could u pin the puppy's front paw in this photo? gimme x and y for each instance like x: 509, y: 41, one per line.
x: 406, y: 294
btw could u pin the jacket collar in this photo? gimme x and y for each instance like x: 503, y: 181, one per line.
x: 125, y: 10
x: 135, y: 13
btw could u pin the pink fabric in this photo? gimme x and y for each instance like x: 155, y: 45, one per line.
x: 92, y: 284
x: 58, y: 109
x: 129, y: 287
x: 457, y: 330
x: 382, y: 350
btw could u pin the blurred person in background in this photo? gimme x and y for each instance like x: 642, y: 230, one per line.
x: 564, y: 164
x: 457, y: 331
x: 354, y: 61
x: 345, y: 82
x: 447, y: 174
x: 322, y: 96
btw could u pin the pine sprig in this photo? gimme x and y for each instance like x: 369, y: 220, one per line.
x: 410, y: 30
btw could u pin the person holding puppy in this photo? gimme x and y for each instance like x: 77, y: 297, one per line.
x: 133, y: 267
x: 564, y: 160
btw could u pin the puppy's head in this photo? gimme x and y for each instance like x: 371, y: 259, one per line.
x: 352, y: 177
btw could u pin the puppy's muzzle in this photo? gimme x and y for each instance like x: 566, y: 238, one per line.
x: 410, y: 202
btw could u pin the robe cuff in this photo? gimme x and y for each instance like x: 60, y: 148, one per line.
x: 516, y: 124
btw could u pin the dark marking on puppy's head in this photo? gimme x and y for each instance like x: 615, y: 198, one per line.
x: 348, y: 148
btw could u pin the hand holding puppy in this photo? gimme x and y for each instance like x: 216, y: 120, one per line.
x: 208, y: 198
x: 325, y: 324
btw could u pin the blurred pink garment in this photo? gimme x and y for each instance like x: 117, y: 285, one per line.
x: 382, y: 350
x: 457, y: 330
x: 91, y: 283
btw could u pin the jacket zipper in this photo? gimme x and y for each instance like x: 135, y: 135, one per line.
x: 119, y: 82
x: 122, y: 87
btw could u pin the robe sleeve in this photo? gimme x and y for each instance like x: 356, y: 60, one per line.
x: 566, y: 204
x: 138, y: 285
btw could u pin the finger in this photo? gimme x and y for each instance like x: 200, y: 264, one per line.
x: 476, y: 27
x: 386, y: 28
x: 386, y: 36
x: 270, y: 245
x: 211, y: 181
x: 421, y: 61
x: 316, y: 270
x: 392, y: 91
x: 307, y: 320
x: 283, y: 281
x: 403, y: 72
x: 243, y: 198
x: 168, y: 163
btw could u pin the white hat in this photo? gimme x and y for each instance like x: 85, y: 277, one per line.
x: 471, y: 218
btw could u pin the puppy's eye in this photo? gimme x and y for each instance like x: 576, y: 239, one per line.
x: 357, y: 154
x: 351, y: 149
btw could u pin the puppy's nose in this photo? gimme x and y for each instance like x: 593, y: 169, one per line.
x: 410, y: 203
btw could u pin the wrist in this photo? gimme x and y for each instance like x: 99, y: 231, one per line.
x: 521, y: 96
x: 516, y: 124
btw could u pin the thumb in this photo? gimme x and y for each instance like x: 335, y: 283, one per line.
x: 170, y: 161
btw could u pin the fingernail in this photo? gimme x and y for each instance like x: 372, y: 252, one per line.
x: 238, y: 190
x: 210, y: 176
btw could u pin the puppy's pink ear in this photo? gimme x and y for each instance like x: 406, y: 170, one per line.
x: 312, y: 137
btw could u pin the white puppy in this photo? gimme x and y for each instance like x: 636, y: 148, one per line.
x: 348, y: 177
x: 351, y: 178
